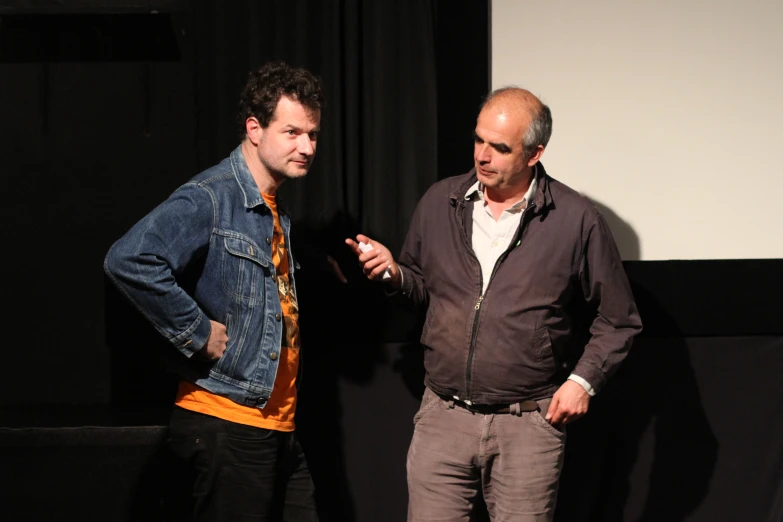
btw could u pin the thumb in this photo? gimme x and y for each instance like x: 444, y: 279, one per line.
x: 363, y: 239
x: 552, y: 407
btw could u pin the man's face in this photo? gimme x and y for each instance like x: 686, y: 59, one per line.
x: 287, y: 145
x: 498, y: 153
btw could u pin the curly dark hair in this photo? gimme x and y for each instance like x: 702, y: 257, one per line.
x: 266, y: 85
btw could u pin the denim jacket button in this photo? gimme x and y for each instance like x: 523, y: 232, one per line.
x: 273, y: 356
x: 277, y: 317
x: 268, y: 241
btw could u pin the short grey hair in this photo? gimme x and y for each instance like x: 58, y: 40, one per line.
x: 540, y: 129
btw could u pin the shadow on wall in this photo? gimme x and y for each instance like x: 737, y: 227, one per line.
x: 645, y: 451
x: 625, y: 236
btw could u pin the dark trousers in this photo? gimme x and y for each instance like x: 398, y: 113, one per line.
x: 242, y: 473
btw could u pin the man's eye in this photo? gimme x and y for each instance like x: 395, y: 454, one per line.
x: 290, y: 132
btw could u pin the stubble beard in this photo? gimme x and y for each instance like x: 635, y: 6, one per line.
x: 285, y: 170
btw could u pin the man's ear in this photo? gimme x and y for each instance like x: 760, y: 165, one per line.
x: 254, y: 130
x: 536, y: 156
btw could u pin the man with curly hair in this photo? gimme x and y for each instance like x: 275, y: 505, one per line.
x: 212, y: 269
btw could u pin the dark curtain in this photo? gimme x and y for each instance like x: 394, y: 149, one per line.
x: 378, y: 148
x: 377, y: 155
x: 105, y: 110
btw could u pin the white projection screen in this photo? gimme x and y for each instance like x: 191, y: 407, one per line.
x: 668, y: 114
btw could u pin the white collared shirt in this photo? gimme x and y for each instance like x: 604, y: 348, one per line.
x: 492, y: 237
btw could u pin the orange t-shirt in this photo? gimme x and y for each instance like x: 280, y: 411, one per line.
x: 278, y: 414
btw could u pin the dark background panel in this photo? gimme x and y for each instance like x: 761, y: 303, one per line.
x: 686, y: 427
x: 679, y: 433
x: 710, y: 297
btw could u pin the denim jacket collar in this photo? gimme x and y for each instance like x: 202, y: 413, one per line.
x: 245, y: 179
x: 248, y: 185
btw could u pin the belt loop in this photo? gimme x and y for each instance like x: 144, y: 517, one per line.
x: 451, y: 404
x: 516, y: 409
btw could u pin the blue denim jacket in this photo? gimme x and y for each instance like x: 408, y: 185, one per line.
x: 205, y: 253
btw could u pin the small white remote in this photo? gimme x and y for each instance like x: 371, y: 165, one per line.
x: 366, y: 247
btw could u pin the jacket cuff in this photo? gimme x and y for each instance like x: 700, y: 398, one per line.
x: 583, y: 383
x: 406, y: 281
x: 194, y: 338
x: 387, y: 288
x: 591, y: 374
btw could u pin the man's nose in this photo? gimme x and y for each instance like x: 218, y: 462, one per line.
x: 305, y: 145
x: 482, y: 153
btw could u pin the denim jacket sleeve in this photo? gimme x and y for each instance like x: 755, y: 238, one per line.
x: 145, y: 262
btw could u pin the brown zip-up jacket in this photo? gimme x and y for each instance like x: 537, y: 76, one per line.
x: 558, y: 301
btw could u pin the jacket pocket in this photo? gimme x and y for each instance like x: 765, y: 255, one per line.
x: 227, y: 361
x: 244, y: 267
x: 542, y: 344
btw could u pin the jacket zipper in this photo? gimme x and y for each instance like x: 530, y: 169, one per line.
x: 477, y: 308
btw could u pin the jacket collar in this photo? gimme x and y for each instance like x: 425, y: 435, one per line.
x: 245, y: 179
x: 542, y: 199
x: 247, y: 184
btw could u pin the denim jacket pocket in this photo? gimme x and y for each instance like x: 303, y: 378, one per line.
x: 227, y: 361
x: 244, y: 268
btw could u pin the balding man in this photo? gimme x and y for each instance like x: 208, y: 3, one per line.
x: 528, y: 312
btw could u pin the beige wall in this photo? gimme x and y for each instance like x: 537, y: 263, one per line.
x: 669, y: 114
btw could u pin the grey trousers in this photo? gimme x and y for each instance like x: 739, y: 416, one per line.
x: 455, y: 455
